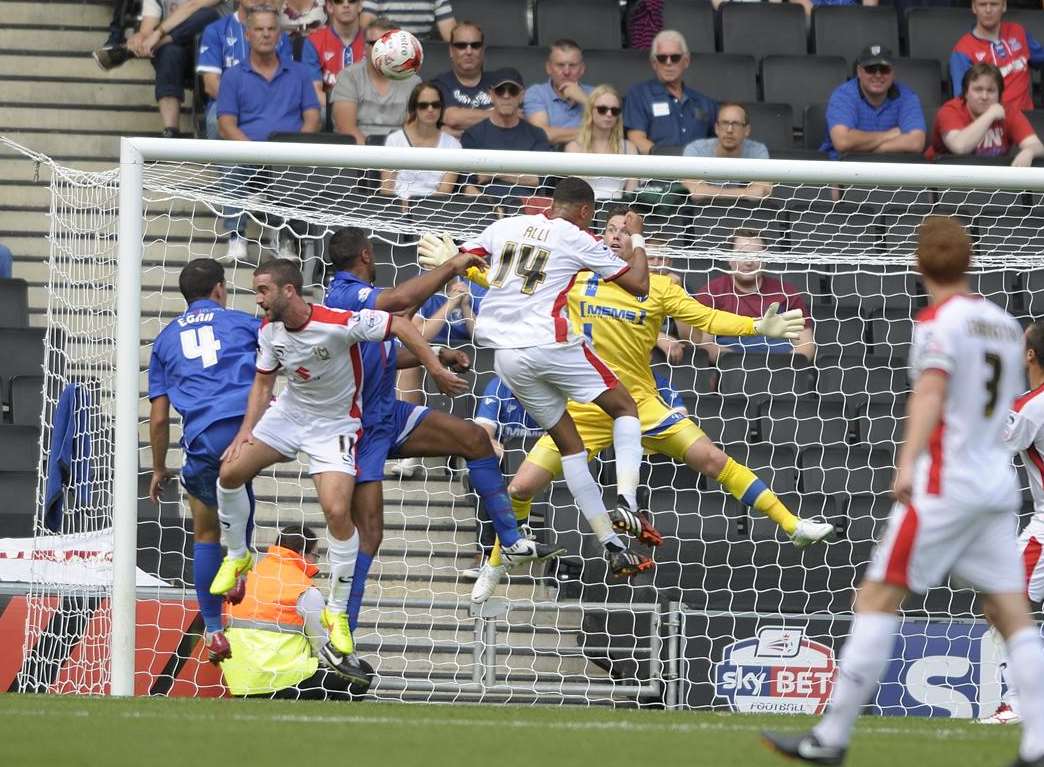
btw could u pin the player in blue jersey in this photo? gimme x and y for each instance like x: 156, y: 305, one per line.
x: 203, y: 364
x: 392, y: 428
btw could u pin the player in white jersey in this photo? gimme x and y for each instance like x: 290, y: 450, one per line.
x: 1025, y: 433
x: 956, y: 499
x: 317, y: 414
x: 533, y: 262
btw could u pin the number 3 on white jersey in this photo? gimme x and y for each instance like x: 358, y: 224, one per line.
x: 199, y: 343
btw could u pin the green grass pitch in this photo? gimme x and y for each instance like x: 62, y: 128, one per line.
x: 60, y: 731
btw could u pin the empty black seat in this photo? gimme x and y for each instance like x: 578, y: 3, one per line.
x: 14, y: 304
x: 865, y: 517
x: 22, y: 350
x: 763, y: 29
x: 804, y: 420
x: 840, y: 30
x: 775, y: 464
x: 814, y: 126
x: 838, y: 232
x: 19, y: 447
x: 714, y: 222
x: 26, y: 400
x: 892, y: 333
x: 621, y: 69
x: 724, y: 76
x: 528, y: 60
x: 592, y: 23
x: 502, y: 21
x: 871, y: 288
x: 923, y: 77
x: 1034, y: 296
x: 860, y: 377
x: 1010, y: 236
x: 801, y: 80
x: 695, y: 20
x: 932, y: 32
x: 1000, y: 287
x: 18, y: 489
x: 771, y: 124
x: 848, y: 469
x: 881, y: 421
x: 752, y: 372
x: 692, y: 375
x: 436, y: 57
x: 837, y: 336
x: 725, y: 418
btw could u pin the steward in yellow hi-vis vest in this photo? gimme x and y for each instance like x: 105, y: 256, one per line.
x: 276, y: 631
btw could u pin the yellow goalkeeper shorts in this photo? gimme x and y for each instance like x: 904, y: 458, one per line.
x: 664, y: 431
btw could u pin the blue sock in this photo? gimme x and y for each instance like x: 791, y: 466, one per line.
x: 206, y: 559
x: 355, y: 596
x: 250, y: 520
x: 489, y: 484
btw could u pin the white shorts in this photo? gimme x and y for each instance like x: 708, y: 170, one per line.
x: 329, y: 443
x: 931, y: 538
x: 544, y: 378
x: 1030, y: 543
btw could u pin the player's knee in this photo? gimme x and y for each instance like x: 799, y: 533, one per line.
x: 706, y: 458
x: 617, y: 403
x: 229, y: 476
x: 475, y: 444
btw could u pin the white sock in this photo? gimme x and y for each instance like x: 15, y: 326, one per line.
x: 862, y: 663
x: 588, y: 497
x: 1026, y: 670
x: 1008, y: 695
x: 342, y: 556
x: 627, y: 442
x: 233, y: 513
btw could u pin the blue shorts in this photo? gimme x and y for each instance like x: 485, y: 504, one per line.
x: 199, y: 475
x: 383, y: 440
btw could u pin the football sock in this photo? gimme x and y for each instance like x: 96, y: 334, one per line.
x: 863, y: 661
x: 206, y: 559
x: 521, y: 507
x: 627, y: 443
x: 234, y: 516
x: 1007, y: 689
x: 342, y: 556
x: 355, y: 596
x: 488, y: 482
x: 744, y: 485
x: 588, y: 497
x: 1026, y: 669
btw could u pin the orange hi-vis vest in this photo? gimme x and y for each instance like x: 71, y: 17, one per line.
x: 265, y: 632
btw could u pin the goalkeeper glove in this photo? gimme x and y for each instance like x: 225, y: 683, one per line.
x: 789, y: 324
x: 433, y: 251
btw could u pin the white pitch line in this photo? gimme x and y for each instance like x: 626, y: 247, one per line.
x: 941, y: 733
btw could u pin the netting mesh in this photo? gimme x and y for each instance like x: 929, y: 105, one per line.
x: 821, y: 428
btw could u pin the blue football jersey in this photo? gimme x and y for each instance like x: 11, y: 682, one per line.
x: 378, y: 387
x: 498, y: 406
x: 204, y: 362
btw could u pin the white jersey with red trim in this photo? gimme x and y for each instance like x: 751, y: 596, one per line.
x: 1024, y: 432
x: 533, y: 262
x: 321, y: 361
x: 979, y: 347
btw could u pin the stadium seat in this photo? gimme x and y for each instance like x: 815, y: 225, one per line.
x: 1000, y: 287
x: 592, y: 23
x: 436, y: 58
x: 18, y: 489
x: 771, y: 124
x: 726, y: 418
x: 859, y: 377
x: 839, y: 232
x: 871, y: 288
x: 724, y: 76
x: 814, y: 126
x: 880, y: 421
x: 892, y: 333
x: 694, y: 19
x: 775, y: 464
x: 754, y: 372
x: 924, y: 78
x: 502, y: 21
x: 865, y: 516
x: 802, y: 421
x: 801, y: 80
x: 900, y: 230
x: 812, y: 282
x: 712, y: 519
x: 622, y: 69
x: 528, y: 60
x: 847, y: 469
x: 26, y: 400
x: 932, y: 33
x: 19, y: 447
x: 1033, y: 281
x: 763, y: 29
x: 693, y: 375
x: 837, y: 336
x: 14, y: 303
x: 714, y: 223
x: 839, y: 30
x: 988, y: 203
x: 22, y: 350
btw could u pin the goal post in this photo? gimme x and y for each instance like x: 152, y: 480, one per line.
x: 155, y: 173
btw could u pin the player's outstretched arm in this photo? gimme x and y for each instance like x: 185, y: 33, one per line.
x: 787, y: 325
x: 408, y: 295
x: 159, y: 441
x: 448, y: 382
x: 257, y: 403
x: 923, y: 413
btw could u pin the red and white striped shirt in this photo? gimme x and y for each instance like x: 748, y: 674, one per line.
x: 533, y: 261
x: 321, y: 361
x: 1024, y: 432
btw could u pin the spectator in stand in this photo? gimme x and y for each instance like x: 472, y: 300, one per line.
x: 415, y: 16
x: 224, y: 45
x: 6, y: 262
x: 299, y: 18
x: 872, y: 112
x: 266, y: 93
x: 423, y: 128
x: 505, y: 129
x: 166, y: 36
x: 978, y: 123
x: 117, y: 27
x: 732, y: 129
x: 664, y: 110
x: 748, y: 291
x: 1006, y: 45
x: 601, y: 132
x: 365, y: 102
x: 341, y: 43
x: 465, y: 88
x: 557, y: 106
x: 809, y: 5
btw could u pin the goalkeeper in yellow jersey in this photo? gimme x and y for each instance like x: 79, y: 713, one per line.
x: 624, y: 329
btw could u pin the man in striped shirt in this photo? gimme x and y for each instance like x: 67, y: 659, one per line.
x: 415, y: 16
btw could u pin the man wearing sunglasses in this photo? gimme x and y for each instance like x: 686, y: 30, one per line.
x: 664, y: 110
x: 557, y: 105
x: 465, y: 88
x: 505, y: 129
x: 872, y: 112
